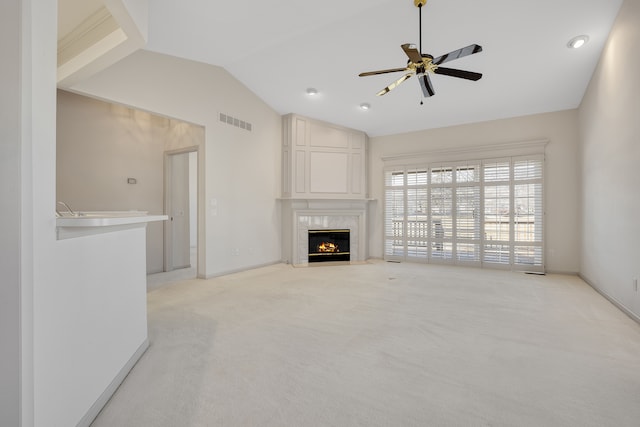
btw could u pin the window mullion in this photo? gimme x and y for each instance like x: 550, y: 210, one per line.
x: 481, y: 215
x: 512, y: 222
x: 429, y: 216
x: 454, y: 216
x: 405, y: 217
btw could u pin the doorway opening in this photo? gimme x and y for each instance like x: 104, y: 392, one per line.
x: 181, y: 206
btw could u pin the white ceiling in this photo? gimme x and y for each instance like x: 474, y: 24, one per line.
x: 278, y: 48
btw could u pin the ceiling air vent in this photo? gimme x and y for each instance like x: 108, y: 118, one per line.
x: 233, y: 121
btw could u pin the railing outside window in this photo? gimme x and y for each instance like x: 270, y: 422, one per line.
x: 476, y: 213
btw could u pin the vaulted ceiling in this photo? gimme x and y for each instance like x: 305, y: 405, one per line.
x: 279, y: 48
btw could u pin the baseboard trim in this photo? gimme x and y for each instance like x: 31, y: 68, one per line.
x: 612, y: 300
x: 563, y: 272
x: 95, y: 409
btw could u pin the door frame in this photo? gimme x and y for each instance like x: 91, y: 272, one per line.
x: 167, y: 240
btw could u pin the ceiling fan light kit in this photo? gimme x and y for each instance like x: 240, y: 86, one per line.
x: 421, y: 65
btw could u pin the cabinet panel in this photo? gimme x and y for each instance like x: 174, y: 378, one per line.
x: 322, y: 161
x: 300, y: 172
x: 327, y: 136
x: 286, y: 173
x: 356, y: 173
x: 357, y: 140
x: 328, y: 172
x: 301, y: 132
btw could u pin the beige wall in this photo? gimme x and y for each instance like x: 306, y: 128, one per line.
x: 610, y: 154
x: 561, y: 173
x: 100, y: 145
x: 242, y: 169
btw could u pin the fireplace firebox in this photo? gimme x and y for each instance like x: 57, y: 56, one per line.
x: 329, y: 245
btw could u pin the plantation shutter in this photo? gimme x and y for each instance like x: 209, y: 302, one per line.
x: 394, y: 213
x: 441, y: 213
x: 417, y: 224
x: 481, y: 213
x: 528, y: 213
x: 497, y: 212
x: 467, y: 214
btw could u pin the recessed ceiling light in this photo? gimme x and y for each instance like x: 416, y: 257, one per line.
x: 365, y: 106
x: 311, y: 91
x: 577, y: 41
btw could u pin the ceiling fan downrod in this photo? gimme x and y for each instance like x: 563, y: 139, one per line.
x: 419, y: 4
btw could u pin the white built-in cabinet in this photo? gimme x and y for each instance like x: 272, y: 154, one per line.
x: 322, y: 161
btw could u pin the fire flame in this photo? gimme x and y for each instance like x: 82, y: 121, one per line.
x: 328, y: 247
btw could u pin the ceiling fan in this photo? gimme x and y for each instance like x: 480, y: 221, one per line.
x: 422, y: 64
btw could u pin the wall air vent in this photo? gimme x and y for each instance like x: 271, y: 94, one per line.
x: 233, y: 121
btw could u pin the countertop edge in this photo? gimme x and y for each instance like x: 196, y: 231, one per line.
x: 107, y: 221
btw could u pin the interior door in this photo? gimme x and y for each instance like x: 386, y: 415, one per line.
x: 177, y: 253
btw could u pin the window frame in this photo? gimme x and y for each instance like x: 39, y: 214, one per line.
x: 416, y: 246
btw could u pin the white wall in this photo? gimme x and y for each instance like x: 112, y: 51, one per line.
x: 610, y: 155
x: 71, y: 347
x: 561, y: 173
x: 11, y: 184
x: 242, y: 168
x: 91, y: 320
x: 100, y: 145
x: 42, y: 306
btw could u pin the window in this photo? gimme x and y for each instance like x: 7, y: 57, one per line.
x: 474, y: 213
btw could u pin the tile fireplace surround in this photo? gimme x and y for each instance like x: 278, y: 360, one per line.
x: 300, y: 216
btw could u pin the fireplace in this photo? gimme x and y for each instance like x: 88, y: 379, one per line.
x: 329, y: 245
x: 302, y: 216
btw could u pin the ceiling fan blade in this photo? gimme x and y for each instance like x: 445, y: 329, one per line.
x: 393, y: 85
x: 465, y: 51
x: 427, y: 87
x: 373, y: 73
x: 469, y: 75
x: 412, y: 53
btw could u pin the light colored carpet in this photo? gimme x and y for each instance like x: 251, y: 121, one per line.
x: 158, y: 280
x: 382, y: 344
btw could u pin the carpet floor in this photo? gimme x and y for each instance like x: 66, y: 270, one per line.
x: 382, y: 344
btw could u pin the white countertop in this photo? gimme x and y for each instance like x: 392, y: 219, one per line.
x: 106, y: 221
x: 89, y: 223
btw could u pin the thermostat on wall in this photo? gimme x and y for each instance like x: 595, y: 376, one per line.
x: 132, y: 181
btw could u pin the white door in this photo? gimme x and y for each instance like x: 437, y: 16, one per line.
x: 177, y: 239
